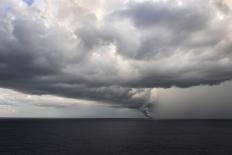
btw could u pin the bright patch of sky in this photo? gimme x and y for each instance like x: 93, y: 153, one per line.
x: 29, y: 2
x: 6, y: 8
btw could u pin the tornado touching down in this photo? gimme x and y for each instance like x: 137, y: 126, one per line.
x: 112, y: 53
x: 112, y: 77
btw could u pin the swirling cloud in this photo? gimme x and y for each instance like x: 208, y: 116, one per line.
x: 115, y: 51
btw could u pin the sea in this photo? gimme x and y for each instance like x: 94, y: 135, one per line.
x: 115, y: 137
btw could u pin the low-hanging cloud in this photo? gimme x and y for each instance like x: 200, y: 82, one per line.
x: 113, y: 51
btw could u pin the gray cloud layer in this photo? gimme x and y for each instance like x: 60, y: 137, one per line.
x: 115, y: 52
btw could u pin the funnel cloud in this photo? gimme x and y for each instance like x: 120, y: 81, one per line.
x: 115, y: 52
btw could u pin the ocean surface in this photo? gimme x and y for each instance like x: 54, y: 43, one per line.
x: 115, y: 137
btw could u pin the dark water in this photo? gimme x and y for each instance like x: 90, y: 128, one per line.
x: 115, y: 137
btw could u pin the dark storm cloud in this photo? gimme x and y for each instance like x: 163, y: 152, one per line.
x: 149, y: 14
x: 117, y: 56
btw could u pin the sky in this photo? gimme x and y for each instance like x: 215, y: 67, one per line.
x: 116, y: 58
